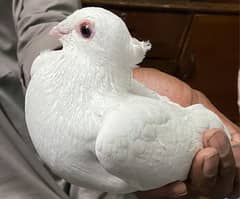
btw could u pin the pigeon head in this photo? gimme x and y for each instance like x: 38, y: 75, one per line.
x: 98, y: 32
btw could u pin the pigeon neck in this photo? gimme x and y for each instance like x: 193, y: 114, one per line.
x: 92, y: 73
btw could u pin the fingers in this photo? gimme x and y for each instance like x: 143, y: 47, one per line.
x: 204, y: 171
x: 236, y: 154
x: 217, y: 139
x: 235, y: 137
x: 177, y: 190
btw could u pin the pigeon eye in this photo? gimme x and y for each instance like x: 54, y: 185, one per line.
x: 86, y: 29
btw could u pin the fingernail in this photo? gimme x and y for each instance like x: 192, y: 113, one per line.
x: 236, y: 154
x: 236, y: 137
x: 235, y: 144
x: 180, y: 189
x: 209, y: 170
x: 220, y: 142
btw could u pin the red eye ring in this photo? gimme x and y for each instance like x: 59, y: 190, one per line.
x: 86, y: 29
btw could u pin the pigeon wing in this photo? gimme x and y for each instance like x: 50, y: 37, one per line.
x: 141, y: 139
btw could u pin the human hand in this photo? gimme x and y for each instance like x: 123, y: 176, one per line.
x: 214, y: 172
x: 215, y: 160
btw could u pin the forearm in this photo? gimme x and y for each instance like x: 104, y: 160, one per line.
x: 164, y: 84
x: 178, y: 91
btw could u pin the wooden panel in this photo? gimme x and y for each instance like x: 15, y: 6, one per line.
x: 211, y: 55
x: 230, y: 6
x: 217, y: 1
x: 164, y: 30
x: 206, y: 57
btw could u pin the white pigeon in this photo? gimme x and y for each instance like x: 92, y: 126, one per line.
x: 97, y: 127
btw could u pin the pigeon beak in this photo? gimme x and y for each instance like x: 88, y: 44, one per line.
x: 58, y: 32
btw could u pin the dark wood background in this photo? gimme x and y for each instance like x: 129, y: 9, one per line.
x: 196, y: 41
